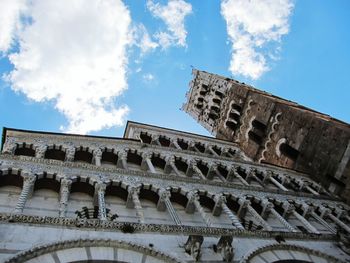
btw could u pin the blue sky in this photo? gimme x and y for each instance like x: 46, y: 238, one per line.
x: 88, y: 67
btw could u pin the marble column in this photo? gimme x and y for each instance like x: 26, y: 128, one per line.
x: 147, y: 163
x: 193, y: 197
x: 97, y: 157
x: 258, y: 218
x: 101, y: 190
x: 268, y: 207
x: 122, y: 160
x: 64, y: 196
x: 337, y: 221
x: 221, y: 203
x: 322, y: 222
x: 197, y: 170
x: 174, y: 143
x: 275, y: 182
x: 306, y: 223
x: 134, y: 198
x: 240, y: 178
x: 27, y: 190
x: 170, y: 166
x: 310, y: 189
x: 164, y: 199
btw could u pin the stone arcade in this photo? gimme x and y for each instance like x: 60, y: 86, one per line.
x: 161, y: 195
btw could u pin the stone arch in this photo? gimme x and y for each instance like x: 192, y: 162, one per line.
x: 25, y: 149
x: 109, y: 157
x: 85, y: 250
x: 284, y: 252
x: 83, y: 154
x: 55, y: 152
x: 159, y: 161
x: 183, y: 143
x: 116, y: 196
x: 44, y: 201
x: 181, y: 164
x: 81, y: 195
x: 11, y: 182
x: 133, y: 159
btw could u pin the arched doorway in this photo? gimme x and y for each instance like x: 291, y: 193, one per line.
x: 287, y: 253
x: 92, y: 251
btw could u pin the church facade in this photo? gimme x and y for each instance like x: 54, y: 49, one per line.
x: 161, y: 195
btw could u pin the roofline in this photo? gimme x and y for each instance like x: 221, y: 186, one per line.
x: 5, y: 129
x: 169, y: 129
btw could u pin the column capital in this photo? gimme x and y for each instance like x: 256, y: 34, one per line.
x: 164, y: 194
x: 122, y: 154
x: 66, y: 182
x: 147, y: 155
x: 29, y: 179
x: 101, y: 187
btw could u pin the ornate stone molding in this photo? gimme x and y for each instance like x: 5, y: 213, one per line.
x: 52, y: 247
x: 290, y: 247
x: 95, y: 224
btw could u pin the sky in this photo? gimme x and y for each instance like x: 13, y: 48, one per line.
x: 88, y: 66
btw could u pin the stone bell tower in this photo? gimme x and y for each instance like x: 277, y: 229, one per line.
x: 272, y: 130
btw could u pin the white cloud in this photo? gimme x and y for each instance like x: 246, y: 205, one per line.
x: 148, y: 77
x: 10, y: 12
x: 74, y: 54
x: 173, y: 15
x: 251, y: 26
x: 142, y: 39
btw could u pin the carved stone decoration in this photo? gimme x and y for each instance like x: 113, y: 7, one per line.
x: 9, y: 146
x: 27, y: 189
x: 224, y: 247
x: 193, y: 246
x: 64, y: 196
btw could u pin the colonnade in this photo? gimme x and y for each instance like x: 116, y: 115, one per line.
x: 324, y: 215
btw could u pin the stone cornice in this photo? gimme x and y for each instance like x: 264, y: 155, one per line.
x: 133, y: 177
x: 101, y: 225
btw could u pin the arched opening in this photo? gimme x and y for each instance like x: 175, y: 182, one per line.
x: 182, y: 144
x: 158, y: 162
x: 200, y: 147
x: 223, y: 171
x: 164, y: 141
x: 10, y: 189
x: 181, y: 165
x: 289, y: 151
x: 149, y: 200
x: 134, y: 160
x: 45, y: 198
x: 109, y: 158
x: 203, y: 167
x: 145, y: 137
x: 83, y: 155
x: 55, y: 153
x: 179, y: 202
x: 115, y: 199
x: 217, y: 150
x: 231, y: 125
x: 25, y: 150
x: 81, y: 195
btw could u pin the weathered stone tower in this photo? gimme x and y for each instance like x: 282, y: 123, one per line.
x: 272, y: 130
x: 161, y: 195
